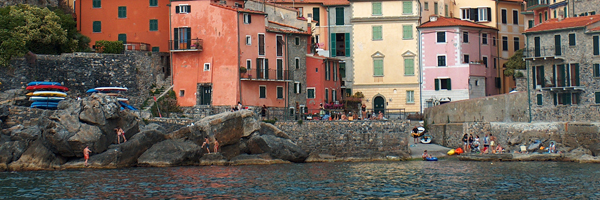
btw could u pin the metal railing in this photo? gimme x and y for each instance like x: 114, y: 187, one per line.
x: 271, y: 74
x: 545, y: 51
x: 186, y: 45
x: 137, y: 46
x: 287, y: 114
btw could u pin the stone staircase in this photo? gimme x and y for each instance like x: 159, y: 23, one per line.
x: 163, y: 92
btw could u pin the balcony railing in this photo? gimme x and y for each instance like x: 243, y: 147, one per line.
x: 532, y: 4
x: 545, y: 52
x: 186, y: 45
x: 266, y: 75
x: 137, y: 46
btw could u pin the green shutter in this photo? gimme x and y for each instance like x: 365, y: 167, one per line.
x: 97, y: 26
x: 377, y: 67
x: 339, y: 16
x: 561, y: 75
x: 376, y: 8
x: 572, y: 39
x: 316, y: 15
x: 332, y: 45
x: 566, y: 98
x: 155, y: 49
x: 409, y: 66
x: 153, y: 2
x: 555, y: 98
x: 596, y: 72
x: 377, y: 35
x: 407, y: 7
x: 539, y: 99
x: 446, y: 10
x: 596, y: 48
x: 597, y: 97
x: 435, y: 8
x: 96, y: 4
x: 575, y: 68
x: 407, y: 32
x: 554, y: 74
x: 123, y: 38
x: 347, y: 45
x: 533, y: 77
x: 543, y: 75
x: 122, y: 12
x: 153, y: 25
x: 437, y: 84
x: 449, y: 84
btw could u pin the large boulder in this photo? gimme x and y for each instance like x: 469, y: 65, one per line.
x: 98, y: 108
x: 270, y: 129
x: 227, y: 128
x: 37, y: 157
x: 251, y: 123
x: 171, y: 153
x: 153, y: 126
x: 213, y: 159
x: 88, y: 136
x: 11, y: 151
x: 277, y: 147
x: 233, y: 150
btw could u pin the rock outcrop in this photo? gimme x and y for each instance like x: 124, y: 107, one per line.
x: 167, y: 153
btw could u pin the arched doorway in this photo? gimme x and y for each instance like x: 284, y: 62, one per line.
x: 378, y: 105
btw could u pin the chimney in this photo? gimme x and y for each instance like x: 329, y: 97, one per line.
x: 561, y: 15
x: 433, y: 18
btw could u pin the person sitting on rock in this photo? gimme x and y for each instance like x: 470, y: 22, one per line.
x: 552, y: 147
x: 216, y: 146
x: 425, y: 155
x: 120, y: 133
x: 86, y: 155
x: 207, y: 143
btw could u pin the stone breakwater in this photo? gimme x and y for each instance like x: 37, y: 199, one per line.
x: 350, y: 140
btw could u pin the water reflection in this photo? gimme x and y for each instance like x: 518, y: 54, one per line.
x: 445, y: 179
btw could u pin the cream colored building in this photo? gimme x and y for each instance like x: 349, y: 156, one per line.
x: 385, y: 53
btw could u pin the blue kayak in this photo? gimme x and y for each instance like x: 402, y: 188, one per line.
x: 38, y: 104
x: 431, y: 159
x: 92, y: 91
x: 126, y: 106
x: 43, y: 83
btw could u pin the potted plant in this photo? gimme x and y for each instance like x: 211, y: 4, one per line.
x: 194, y: 46
x: 243, y: 70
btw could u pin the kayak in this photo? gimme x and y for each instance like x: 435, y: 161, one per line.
x: 431, y: 159
x: 110, y: 89
x: 451, y: 152
x: 46, y: 87
x: 35, y: 98
x: 43, y: 83
x: 48, y: 94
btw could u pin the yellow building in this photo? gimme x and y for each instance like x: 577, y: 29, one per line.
x: 385, y: 53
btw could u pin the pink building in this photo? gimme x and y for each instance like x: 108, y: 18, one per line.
x: 211, y: 46
x: 459, y: 60
x: 323, y: 83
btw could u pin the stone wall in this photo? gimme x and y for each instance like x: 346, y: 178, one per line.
x: 26, y: 116
x: 578, y: 7
x: 363, y: 139
x: 499, y: 108
x: 171, y: 124
x: 298, y: 73
x: 137, y: 71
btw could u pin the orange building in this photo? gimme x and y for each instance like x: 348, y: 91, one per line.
x: 140, y: 24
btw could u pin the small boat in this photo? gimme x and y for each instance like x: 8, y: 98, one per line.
x: 111, y: 89
x: 431, y: 159
x: 48, y: 94
x: 36, y: 98
x: 122, y: 99
x: 426, y: 139
x: 47, y: 87
x: 92, y: 91
x: 43, y: 83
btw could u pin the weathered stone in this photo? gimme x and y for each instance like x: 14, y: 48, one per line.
x: 37, y: 157
x: 213, y: 159
x: 277, y: 147
x: 88, y: 136
x: 255, y: 159
x: 153, y: 126
x: 92, y: 112
x: 234, y: 150
x: 227, y: 127
x: 11, y: 151
x: 270, y: 129
x: 29, y: 133
x: 515, y: 140
x: 251, y: 124
x: 171, y: 153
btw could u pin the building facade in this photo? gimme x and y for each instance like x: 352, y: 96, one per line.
x: 140, y: 24
x: 456, y: 58
x: 323, y: 82
x: 385, y: 54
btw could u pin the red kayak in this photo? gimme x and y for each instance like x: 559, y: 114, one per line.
x: 46, y: 87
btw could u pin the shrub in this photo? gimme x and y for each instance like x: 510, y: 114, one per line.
x: 103, y: 46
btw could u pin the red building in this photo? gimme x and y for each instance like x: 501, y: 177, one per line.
x: 323, y: 83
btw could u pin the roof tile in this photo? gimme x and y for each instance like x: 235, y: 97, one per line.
x: 324, y: 2
x: 570, y: 22
x: 447, y: 22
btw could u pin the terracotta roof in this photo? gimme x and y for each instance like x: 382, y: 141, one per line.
x: 595, y: 29
x: 238, y: 9
x: 447, y: 22
x: 324, y: 2
x: 285, y: 25
x: 276, y: 5
x: 570, y: 22
x: 272, y: 29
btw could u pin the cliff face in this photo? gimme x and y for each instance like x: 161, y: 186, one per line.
x: 41, y: 3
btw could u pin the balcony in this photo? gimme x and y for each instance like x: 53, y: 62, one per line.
x: 266, y: 75
x: 186, y: 45
x: 137, y: 46
x: 535, y: 4
x: 545, y: 52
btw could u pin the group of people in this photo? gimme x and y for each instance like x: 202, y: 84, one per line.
x: 237, y: 107
x: 120, y: 134
x: 473, y: 144
x: 207, y: 144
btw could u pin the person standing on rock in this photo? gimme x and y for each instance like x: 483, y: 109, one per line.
x: 263, y: 112
x: 216, y: 146
x: 493, y: 143
x: 239, y: 106
x: 207, y: 143
x: 86, y: 155
x: 486, y: 144
x: 120, y: 133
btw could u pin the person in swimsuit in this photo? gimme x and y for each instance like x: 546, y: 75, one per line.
x: 493, y: 143
x: 465, y: 140
x: 425, y: 155
x: 207, y: 143
x: 216, y: 146
x: 486, y: 144
x: 415, y: 134
x: 86, y: 155
x: 120, y: 133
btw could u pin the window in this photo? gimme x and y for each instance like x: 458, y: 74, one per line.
x: 122, y: 37
x: 297, y: 87
x: 343, y: 70
x: 465, y: 13
x: 557, y: 45
x: 409, y: 66
x: 426, y: 6
x: 153, y: 25
x: 485, y: 61
x: 597, y: 94
x: 300, y: 12
x: 517, y: 43
x: 310, y: 93
x: 504, y: 43
x: 97, y: 27
x: 279, y: 72
x: 122, y: 12
x: 339, y: 16
x: 248, y: 64
x: 376, y: 8
x: 539, y: 99
x: 297, y: 40
x: 566, y: 98
x: 280, y: 44
x: 565, y: 75
x: 206, y: 66
x: 247, y: 18
x: 378, y: 67
x: 484, y: 39
x: 262, y: 92
x: 515, y: 17
x: 546, y: 16
x: 407, y: 7
x: 495, y: 63
x: 466, y: 58
x: 348, y: 92
x: 465, y: 37
x: 326, y: 95
x: 540, y: 16
x: 443, y: 84
x: 279, y: 92
x: 182, y: 8
x: 327, y: 71
x: 555, y: 14
x: 530, y: 23
x: 410, y: 96
x: 484, y: 14
x: 504, y: 20
x: 182, y: 38
x: 297, y: 63
x: 572, y: 39
x: 441, y: 37
x: 377, y: 35
x: 261, y: 44
x: 335, y: 75
x: 446, y: 10
x: 435, y: 8
x: 407, y: 32
x: 181, y: 93
x: 155, y: 49
x: 317, y: 15
x: 493, y: 41
x: 441, y: 61
x: 96, y: 4
x: 333, y: 95
x: 596, y: 70
x: 340, y: 44
x: 538, y: 76
x: 248, y: 40
x: 595, y: 41
x: 153, y: 3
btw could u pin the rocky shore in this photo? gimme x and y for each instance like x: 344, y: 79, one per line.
x: 55, y: 139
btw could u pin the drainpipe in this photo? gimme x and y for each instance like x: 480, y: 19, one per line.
x: 420, y: 70
x: 528, y: 92
x: 170, y: 53
x: 329, y: 31
x: 287, y: 62
x: 81, y: 18
x: 239, y: 56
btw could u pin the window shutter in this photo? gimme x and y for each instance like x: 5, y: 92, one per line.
x: 449, y: 84
x: 597, y: 97
x: 339, y: 16
x: 266, y: 68
x: 474, y: 14
x: 567, y: 98
x: 576, y: 73
x: 299, y: 87
x: 555, y: 99
x: 189, y: 9
x: 533, y: 76
x: 258, y: 66
x: 596, y: 66
x: 407, y: 7
x: 542, y: 74
x: 489, y: 14
x: 554, y: 75
x: 189, y: 36
x: 332, y: 50
x: 176, y: 9
x: 437, y: 84
x: 249, y: 19
x: 596, y: 48
x: 562, y: 73
x: 539, y: 99
x: 347, y: 37
x: 409, y: 67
